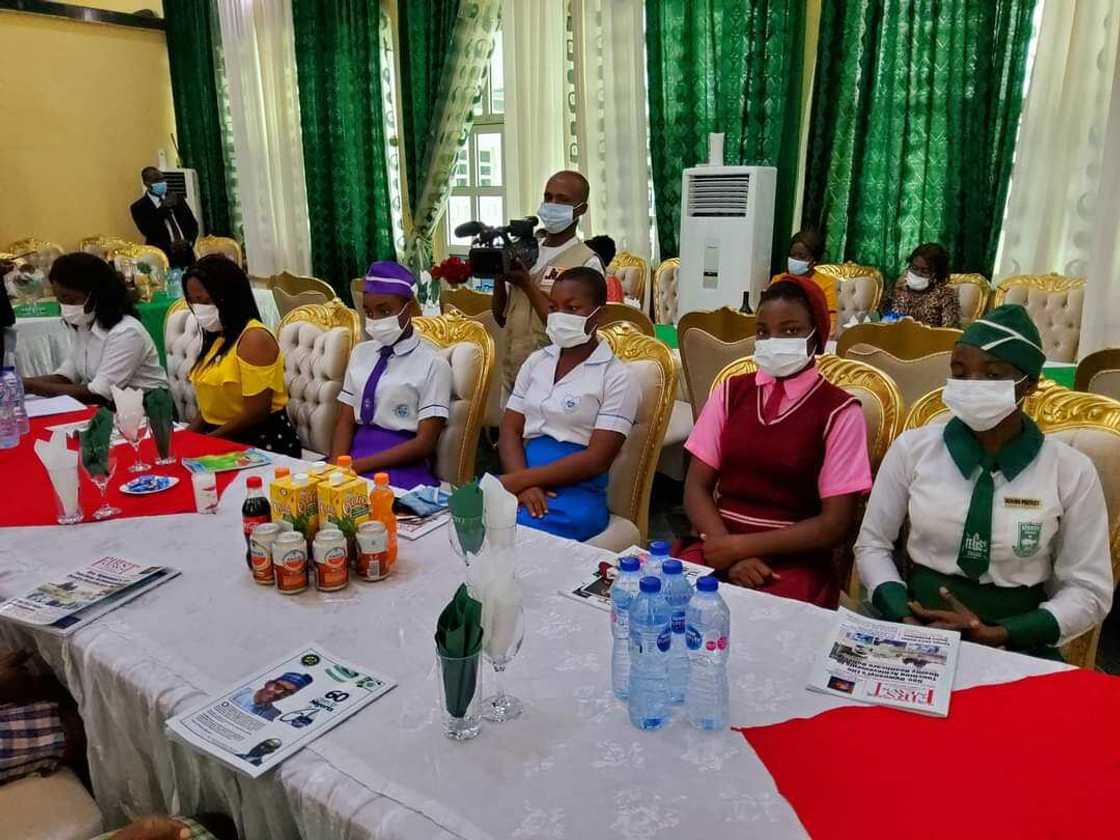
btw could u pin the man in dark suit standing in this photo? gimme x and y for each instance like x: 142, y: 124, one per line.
x: 165, y: 219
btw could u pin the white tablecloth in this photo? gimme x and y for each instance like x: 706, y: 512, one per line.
x: 42, y: 343
x: 572, y: 766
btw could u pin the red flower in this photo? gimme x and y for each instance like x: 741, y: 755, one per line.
x: 454, y: 270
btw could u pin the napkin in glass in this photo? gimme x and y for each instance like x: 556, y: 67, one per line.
x: 466, y: 515
x: 61, y: 464
x: 458, y: 638
x: 157, y: 405
x: 93, y: 442
x: 129, y: 403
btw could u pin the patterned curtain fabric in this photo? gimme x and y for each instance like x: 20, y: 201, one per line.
x: 445, y: 50
x: 338, y: 60
x: 915, y: 110
x: 190, y: 53
x: 730, y: 66
x: 229, y: 155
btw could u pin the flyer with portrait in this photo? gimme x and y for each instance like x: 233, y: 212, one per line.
x: 594, y: 585
x: 256, y: 724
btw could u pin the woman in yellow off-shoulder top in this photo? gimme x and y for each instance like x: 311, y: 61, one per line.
x: 239, y: 383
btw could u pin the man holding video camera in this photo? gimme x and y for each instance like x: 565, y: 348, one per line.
x: 520, y: 301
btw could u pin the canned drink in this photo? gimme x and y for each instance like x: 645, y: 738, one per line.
x: 260, y: 552
x: 332, y: 561
x: 373, y: 552
x: 289, y: 562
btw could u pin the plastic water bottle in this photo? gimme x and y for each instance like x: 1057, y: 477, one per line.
x: 658, y: 554
x: 9, y: 424
x: 649, y: 657
x: 623, y: 592
x: 13, y: 380
x: 708, y: 631
x: 678, y: 592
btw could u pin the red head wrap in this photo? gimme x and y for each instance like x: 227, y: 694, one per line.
x: 818, y: 306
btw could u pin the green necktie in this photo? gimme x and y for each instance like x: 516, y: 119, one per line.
x: 976, y: 541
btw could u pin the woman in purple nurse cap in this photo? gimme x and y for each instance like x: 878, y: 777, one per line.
x: 397, y: 387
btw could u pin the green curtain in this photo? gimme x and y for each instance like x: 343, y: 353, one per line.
x: 339, y: 69
x: 190, y: 53
x: 730, y: 66
x: 445, y: 50
x: 915, y: 110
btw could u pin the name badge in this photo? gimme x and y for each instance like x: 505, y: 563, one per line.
x: 1021, y: 502
x: 549, y: 277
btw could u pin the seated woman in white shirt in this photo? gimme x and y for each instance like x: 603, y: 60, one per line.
x: 397, y: 388
x: 109, y: 347
x: 570, y: 411
x: 1008, y: 533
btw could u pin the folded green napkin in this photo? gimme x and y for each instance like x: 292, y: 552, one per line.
x: 158, y: 407
x: 459, y: 637
x: 466, y: 505
x: 93, y: 442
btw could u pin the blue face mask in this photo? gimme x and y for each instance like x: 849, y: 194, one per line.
x: 158, y: 189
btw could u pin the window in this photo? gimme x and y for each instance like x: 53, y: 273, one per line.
x: 478, y: 178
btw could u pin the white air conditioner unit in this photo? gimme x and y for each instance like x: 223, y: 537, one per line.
x: 727, y: 227
x: 185, y: 183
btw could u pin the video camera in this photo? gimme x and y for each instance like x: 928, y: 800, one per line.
x: 495, y: 249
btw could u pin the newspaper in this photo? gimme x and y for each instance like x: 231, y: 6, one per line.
x: 263, y: 719
x: 594, y: 586
x: 902, y: 665
x: 413, y: 527
x: 85, y: 594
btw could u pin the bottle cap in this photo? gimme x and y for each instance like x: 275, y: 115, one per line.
x: 629, y: 564
x: 300, y: 479
x: 283, y: 472
x: 254, y: 482
x: 659, y: 547
x: 345, y: 462
x: 708, y: 583
x: 650, y: 584
x: 381, y: 478
x: 672, y: 567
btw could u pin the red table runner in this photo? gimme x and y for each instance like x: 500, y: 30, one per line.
x: 1035, y: 758
x: 28, y: 498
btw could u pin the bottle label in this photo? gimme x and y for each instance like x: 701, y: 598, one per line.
x: 678, y: 622
x: 248, y: 523
x: 710, y: 643
x: 664, y: 640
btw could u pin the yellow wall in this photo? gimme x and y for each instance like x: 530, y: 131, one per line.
x: 83, y: 107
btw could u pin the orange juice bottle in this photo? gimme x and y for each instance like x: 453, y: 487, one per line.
x: 346, y: 464
x: 381, y: 510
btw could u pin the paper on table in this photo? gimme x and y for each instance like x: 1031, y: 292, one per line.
x: 49, y: 406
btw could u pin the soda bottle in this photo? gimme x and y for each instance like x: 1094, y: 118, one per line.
x: 381, y: 510
x: 254, y: 511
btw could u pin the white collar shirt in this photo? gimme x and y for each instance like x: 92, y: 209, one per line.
x: 416, y: 384
x: 124, y: 356
x: 169, y: 221
x: 598, y: 393
x: 1049, y: 525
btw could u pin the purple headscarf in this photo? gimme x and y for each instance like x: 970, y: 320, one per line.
x: 389, y: 278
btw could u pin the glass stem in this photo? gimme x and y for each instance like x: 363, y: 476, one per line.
x: 499, y: 692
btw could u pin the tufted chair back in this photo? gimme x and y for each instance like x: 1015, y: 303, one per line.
x: 665, y: 291
x: 469, y: 350
x: 316, y: 340
x: 973, y: 292
x: 182, y: 339
x: 858, y: 290
x: 223, y: 245
x: 1054, y: 303
x: 633, y: 273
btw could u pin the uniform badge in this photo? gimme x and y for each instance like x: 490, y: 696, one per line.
x: 1027, y: 544
x: 402, y: 410
x: 570, y: 403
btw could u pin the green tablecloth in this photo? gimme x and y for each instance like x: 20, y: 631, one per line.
x: 666, y: 334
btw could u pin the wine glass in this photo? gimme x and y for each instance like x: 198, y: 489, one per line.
x: 134, y: 434
x: 101, y: 481
x: 466, y: 535
x: 504, y: 641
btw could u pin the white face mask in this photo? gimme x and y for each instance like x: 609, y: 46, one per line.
x: 915, y: 282
x: 207, y: 316
x: 566, y: 329
x: 385, y: 331
x: 798, y: 267
x: 781, y: 357
x: 556, y: 217
x: 75, y: 314
x: 980, y: 403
